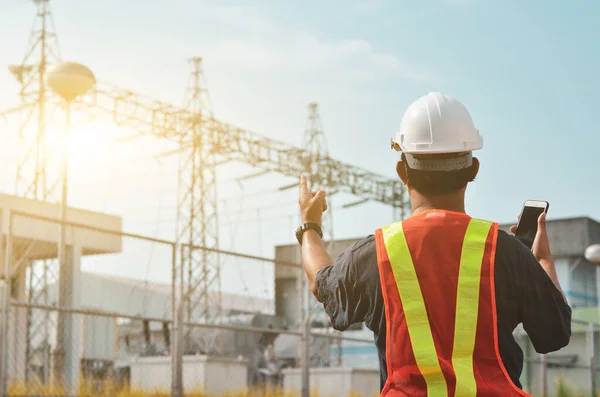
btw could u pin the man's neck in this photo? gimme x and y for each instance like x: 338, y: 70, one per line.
x: 448, y: 202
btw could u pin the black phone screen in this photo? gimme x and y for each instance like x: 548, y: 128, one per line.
x: 527, y: 227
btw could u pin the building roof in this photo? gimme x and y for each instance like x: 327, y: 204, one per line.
x: 141, y: 297
x: 34, y: 228
x: 569, y: 237
x: 229, y: 301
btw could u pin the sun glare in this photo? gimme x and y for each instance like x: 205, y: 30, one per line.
x: 88, y: 139
x: 85, y: 141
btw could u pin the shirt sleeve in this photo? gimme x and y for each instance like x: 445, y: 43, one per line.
x: 545, y: 315
x: 346, y: 288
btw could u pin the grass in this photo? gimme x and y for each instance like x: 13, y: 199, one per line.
x: 111, y: 389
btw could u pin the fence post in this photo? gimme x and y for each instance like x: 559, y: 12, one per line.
x: 305, y: 343
x: 306, y: 358
x: 4, y: 306
x: 177, y: 317
x: 4, y: 291
x: 591, y: 349
x: 543, y: 375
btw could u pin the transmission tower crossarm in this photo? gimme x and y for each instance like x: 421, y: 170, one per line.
x: 235, y: 144
x: 133, y: 110
x: 275, y: 156
x: 16, y: 110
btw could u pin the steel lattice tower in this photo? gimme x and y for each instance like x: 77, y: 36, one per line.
x: 35, y: 176
x: 315, y: 145
x: 197, y: 221
x: 33, y: 179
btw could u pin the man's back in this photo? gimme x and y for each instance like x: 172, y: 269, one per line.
x: 351, y: 292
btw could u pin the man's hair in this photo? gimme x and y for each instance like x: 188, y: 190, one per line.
x: 436, y: 183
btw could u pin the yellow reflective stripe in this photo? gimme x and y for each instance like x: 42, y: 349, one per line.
x: 467, y: 306
x: 414, y: 309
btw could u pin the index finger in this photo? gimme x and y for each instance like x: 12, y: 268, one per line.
x: 303, y: 185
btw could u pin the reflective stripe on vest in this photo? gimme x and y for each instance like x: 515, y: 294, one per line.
x: 415, y: 312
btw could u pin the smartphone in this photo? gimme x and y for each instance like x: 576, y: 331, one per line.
x: 528, y: 221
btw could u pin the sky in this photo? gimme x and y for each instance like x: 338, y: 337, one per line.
x: 527, y: 72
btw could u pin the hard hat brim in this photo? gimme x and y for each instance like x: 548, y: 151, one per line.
x: 433, y: 163
x: 431, y: 149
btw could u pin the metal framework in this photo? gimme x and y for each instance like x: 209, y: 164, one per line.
x: 231, y: 143
x: 315, y: 144
x: 35, y: 176
x: 197, y: 220
x: 203, y: 143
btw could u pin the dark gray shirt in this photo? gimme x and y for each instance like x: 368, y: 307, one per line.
x: 350, y: 291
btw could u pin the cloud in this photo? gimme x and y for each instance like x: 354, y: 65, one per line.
x: 248, y: 39
x: 457, y: 2
x: 372, y: 5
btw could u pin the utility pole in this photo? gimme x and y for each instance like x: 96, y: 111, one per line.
x: 197, y: 221
x: 34, y: 177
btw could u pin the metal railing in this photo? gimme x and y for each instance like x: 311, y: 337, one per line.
x: 123, y: 329
x: 107, y: 329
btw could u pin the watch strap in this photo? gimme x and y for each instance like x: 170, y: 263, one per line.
x: 308, y: 226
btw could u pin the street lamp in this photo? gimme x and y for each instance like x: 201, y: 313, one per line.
x: 592, y: 253
x: 69, y: 80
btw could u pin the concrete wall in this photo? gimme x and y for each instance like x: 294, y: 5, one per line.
x: 291, y: 290
x: 334, y: 382
x: 578, y: 280
x: 583, y: 289
x: 99, y: 338
x: 200, y: 373
x: 137, y: 297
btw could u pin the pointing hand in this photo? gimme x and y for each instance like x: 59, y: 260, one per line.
x: 312, y: 204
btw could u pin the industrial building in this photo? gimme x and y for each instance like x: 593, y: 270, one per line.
x: 112, y: 344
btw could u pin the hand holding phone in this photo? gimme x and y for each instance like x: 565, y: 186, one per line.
x: 531, y: 230
x: 528, y: 221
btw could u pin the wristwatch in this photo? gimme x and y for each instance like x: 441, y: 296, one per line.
x: 308, y: 226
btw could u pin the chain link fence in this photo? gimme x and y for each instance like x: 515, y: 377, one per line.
x: 112, y: 332
x: 130, y: 328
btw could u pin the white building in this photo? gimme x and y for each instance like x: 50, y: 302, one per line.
x: 115, y: 339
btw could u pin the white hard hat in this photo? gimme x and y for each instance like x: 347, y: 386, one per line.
x: 437, y: 124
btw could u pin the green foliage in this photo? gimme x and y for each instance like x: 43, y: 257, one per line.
x: 564, y: 390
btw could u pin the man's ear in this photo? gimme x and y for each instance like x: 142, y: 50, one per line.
x: 401, y: 170
x: 474, y: 168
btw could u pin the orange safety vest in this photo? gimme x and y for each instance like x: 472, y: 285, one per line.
x: 437, y: 277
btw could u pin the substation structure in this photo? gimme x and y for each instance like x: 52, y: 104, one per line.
x: 203, y: 142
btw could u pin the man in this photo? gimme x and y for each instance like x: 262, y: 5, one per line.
x: 441, y: 291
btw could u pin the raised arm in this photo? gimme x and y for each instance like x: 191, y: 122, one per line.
x: 314, y: 255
